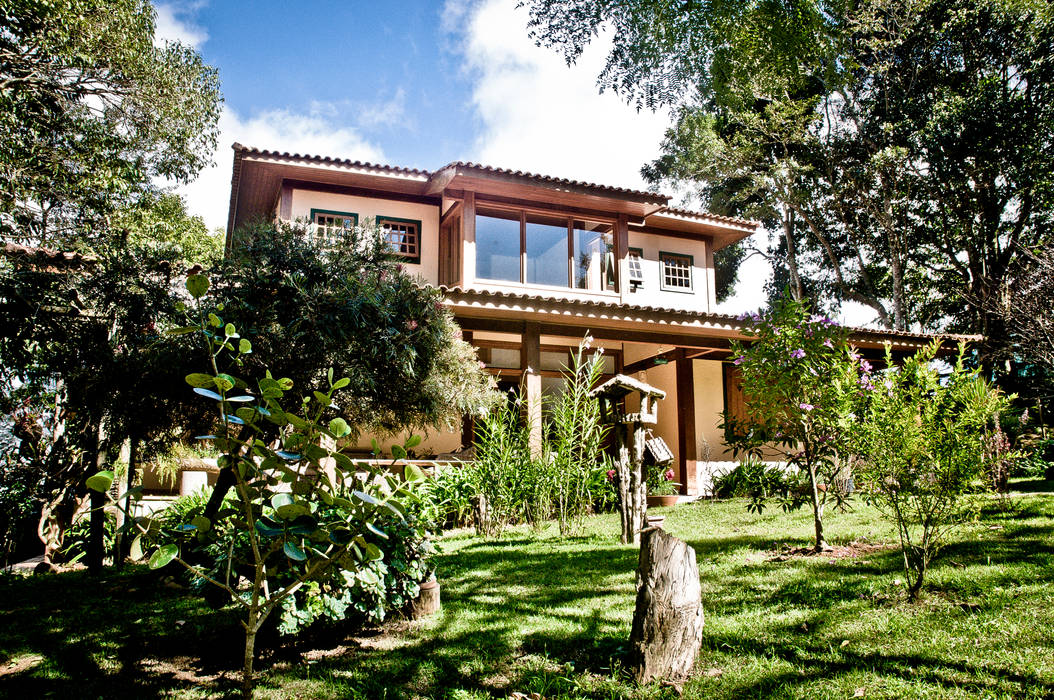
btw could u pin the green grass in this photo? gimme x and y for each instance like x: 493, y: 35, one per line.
x: 536, y: 613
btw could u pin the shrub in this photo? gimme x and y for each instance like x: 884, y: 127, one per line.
x: 576, y: 436
x: 800, y: 383
x: 447, y: 496
x: 503, y: 457
x: 752, y: 478
x: 922, y: 442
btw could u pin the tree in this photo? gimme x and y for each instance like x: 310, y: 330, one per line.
x: 92, y: 109
x: 877, y: 134
x: 800, y: 380
x: 296, y: 534
x: 354, y: 309
x: 922, y: 442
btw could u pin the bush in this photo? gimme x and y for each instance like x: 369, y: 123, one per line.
x: 923, y: 447
x: 448, y: 496
x: 751, y: 478
x: 75, y: 537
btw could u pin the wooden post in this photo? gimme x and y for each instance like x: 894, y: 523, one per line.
x: 468, y: 240
x: 668, y: 619
x: 686, y: 441
x: 530, y: 363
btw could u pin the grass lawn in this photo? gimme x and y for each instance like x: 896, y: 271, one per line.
x: 535, y: 613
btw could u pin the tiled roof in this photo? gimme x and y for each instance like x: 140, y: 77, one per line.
x: 38, y: 255
x: 713, y: 217
x: 325, y: 160
x: 551, y: 180
x: 716, y: 319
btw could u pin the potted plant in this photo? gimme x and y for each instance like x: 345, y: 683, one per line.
x: 662, y: 489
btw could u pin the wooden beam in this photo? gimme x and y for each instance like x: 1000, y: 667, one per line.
x: 333, y: 188
x: 450, y: 213
x: 285, y: 202
x: 686, y: 442
x: 439, y: 181
x: 622, y: 254
x: 650, y: 362
x: 468, y: 240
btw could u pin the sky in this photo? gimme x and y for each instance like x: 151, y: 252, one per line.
x: 416, y: 84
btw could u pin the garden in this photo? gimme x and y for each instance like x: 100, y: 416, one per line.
x: 887, y: 529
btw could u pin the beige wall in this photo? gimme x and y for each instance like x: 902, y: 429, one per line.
x: 709, y: 403
x: 651, y: 294
x: 370, y: 208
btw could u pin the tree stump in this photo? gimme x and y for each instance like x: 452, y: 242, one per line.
x: 427, y: 602
x: 668, y: 620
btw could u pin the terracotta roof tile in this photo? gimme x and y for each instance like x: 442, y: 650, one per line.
x: 736, y: 221
x: 326, y: 160
x: 549, y: 179
x: 707, y: 317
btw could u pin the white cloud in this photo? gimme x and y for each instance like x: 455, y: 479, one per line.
x: 385, y: 114
x: 175, y: 23
x: 313, y: 133
x: 537, y: 113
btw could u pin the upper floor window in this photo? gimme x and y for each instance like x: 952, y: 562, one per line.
x: 636, y: 270
x: 543, y: 249
x: 330, y: 228
x: 675, y: 272
x: 404, y: 236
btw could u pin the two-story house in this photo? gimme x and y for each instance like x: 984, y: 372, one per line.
x: 529, y: 264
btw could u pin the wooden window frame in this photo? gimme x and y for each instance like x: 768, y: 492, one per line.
x: 666, y: 255
x: 412, y: 259
x: 315, y: 213
x: 570, y: 218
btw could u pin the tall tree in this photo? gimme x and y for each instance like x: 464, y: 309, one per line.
x: 905, y: 146
x: 92, y: 108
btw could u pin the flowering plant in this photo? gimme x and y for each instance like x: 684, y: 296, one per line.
x: 661, y: 481
x: 800, y: 381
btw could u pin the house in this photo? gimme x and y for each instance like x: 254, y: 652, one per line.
x: 529, y: 264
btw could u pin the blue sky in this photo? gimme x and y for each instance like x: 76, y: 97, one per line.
x: 416, y: 84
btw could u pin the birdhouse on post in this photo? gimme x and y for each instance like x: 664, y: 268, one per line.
x: 629, y: 430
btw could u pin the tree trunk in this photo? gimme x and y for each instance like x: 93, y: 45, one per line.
x: 427, y: 602
x: 97, y: 514
x: 668, y: 619
x: 817, y: 511
x: 250, y: 652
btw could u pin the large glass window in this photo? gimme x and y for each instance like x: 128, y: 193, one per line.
x: 498, y: 246
x: 546, y: 250
x: 594, y: 256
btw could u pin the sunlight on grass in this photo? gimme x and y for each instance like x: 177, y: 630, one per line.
x: 535, y: 613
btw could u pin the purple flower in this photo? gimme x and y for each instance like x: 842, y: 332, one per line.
x: 797, y: 354
x: 828, y: 343
x: 739, y: 360
x: 865, y: 383
x: 806, y: 406
x: 865, y: 366
x: 1023, y: 419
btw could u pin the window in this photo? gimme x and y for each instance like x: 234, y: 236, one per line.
x: 546, y: 250
x: 404, y: 236
x: 330, y: 228
x: 594, y: 256
x: 636, y: 271
x: 498, y: 246
x: 676, y: 272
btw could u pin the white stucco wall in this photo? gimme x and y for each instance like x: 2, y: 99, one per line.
x: 651, y: 293
x: 370, y: 208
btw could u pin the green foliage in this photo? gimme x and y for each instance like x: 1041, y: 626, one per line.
x: 356, y: 310
x: 75, y: 538
x: 575, y: 439
x: 91, y: 110
x: 303, y: 519
x: 503, y: 469
x: 447, y: 495
x: 660, y: 478
x: 922, y: 442
x: 752, y: 478
x: 800, y: 385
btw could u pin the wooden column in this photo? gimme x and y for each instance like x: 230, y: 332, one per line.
x: 468, y: 240
x: 686, y: 443
x: 621, y: 254
x: 530, y: 363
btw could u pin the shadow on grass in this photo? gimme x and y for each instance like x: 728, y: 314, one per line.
x: 521, y: 614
